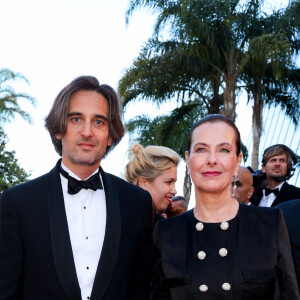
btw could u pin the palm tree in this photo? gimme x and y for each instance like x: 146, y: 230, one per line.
x: 10, y: 171
x: 9, y: 105
x: 212, y: 49
x: 270, y: 74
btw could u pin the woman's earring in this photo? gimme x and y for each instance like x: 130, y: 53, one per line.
x: 234, y: 185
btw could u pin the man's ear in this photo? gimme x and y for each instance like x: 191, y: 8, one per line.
x: 110, y: 141
x: 250, y: 192
x: 263, y: 168
x: 58, y: 136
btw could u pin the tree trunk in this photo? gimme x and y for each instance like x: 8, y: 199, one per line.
x: 256, y: 124
x: 187, y: 185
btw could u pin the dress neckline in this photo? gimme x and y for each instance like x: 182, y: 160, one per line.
x: 216, y: 223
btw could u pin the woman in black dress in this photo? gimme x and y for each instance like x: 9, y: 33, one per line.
x: 221, y: 249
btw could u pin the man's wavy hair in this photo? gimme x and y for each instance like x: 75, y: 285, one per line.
x: 56, y: 121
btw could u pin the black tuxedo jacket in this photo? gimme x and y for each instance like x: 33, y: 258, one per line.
x: 36, y: 260
x: 291, y: 213
x: 287, y: 192
x: 259, y: 258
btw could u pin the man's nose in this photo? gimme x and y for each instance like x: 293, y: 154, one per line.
x: 86, y: 129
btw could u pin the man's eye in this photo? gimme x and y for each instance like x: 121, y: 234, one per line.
x: 99, y: 122
x: 224, y: 150
x: 75, y: 119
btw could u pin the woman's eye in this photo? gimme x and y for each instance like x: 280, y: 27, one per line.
x: 200, y: 150
x: 225, y: 150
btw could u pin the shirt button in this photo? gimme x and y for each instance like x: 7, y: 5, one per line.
x: 199, y: 226
x: 87, y: 268
x: 224, y: 225
x: 86, y: 237
x: 223, y: 252
x: 201, y: 255
x: 226, y: 286
x: 203, y: 288
x: 84, y: 207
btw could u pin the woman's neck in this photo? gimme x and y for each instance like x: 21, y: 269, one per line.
x: 215, y: 208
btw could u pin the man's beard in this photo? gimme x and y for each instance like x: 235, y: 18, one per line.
x: 79, y: 158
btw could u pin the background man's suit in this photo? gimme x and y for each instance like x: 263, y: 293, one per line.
x: 291, y: 213
x: 287, y: 192
x: 35, y: 247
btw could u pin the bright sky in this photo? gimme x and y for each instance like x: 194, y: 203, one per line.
x: 51, y: 43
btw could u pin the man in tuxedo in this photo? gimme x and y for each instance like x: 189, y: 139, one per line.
x: 277, y: 166
x: 77, y: 232
x: 291, y: 213
x: 244, y: 185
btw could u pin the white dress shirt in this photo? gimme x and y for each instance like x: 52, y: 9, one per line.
x: 86, y: 216
x: 267, y: 201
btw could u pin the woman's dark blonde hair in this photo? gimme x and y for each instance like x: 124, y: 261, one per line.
x: 149, y: 162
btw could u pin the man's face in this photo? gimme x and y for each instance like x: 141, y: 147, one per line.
x: 87, y: 135
x: 181, y: 204
x: 276, y: 167
x: 244, y: 189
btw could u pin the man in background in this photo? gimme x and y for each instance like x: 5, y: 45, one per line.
x: 180, y: 202
x: 244, y: 188
x: 277, y: 166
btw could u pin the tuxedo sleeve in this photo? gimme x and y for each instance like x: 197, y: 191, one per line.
x: 287, y: 283
x: 11, y: 249
x: 159, y: 291
x: 144, y: 257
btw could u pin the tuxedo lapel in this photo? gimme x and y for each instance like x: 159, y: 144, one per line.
x: 61, y: 243
x: 281, y: 197
x: 111, y: 242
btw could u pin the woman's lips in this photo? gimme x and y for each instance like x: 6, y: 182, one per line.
x: 211, y: 173
x: 169, y: 199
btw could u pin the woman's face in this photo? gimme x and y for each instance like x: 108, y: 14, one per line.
x: 162, y: 188
x: 212, y: 161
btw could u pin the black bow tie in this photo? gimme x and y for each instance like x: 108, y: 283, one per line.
x: 74, y: 185
x: 274, y: 191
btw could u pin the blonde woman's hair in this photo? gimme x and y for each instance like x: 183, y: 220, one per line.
x: 149, y: 162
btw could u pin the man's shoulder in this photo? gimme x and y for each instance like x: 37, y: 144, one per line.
x: 291, y: 187
x: 34, y: 185
x: 292, y: 206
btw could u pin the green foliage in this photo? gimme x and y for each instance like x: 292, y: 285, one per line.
x: 9, y: 105
x: 171, y: 130
x: 209, y: 50
x: 10, y: 171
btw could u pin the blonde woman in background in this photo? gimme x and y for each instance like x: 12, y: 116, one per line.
x: 154, y: 169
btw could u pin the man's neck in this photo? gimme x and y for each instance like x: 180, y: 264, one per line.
x: 83, y: 172
x: 272, y: 183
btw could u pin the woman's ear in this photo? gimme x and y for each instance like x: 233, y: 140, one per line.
x: 143, y: 183
x: 239, y: 160
x: 187, y: 160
